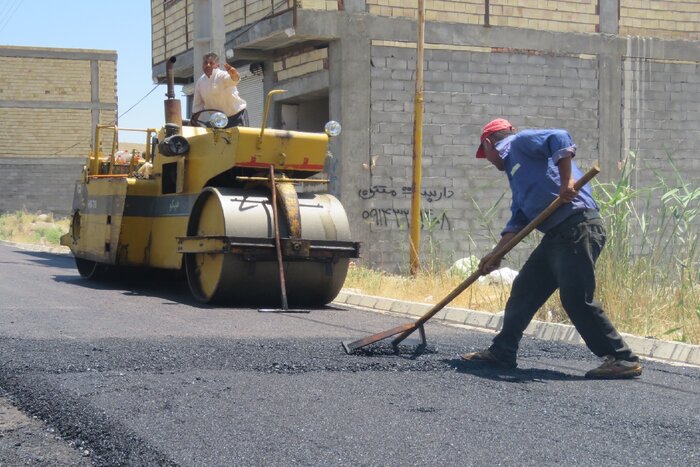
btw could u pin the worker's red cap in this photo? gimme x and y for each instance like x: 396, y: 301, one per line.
x: 490, y: 128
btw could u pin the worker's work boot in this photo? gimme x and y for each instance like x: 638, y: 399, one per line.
x: 613, y: 368
x: 487, y: 357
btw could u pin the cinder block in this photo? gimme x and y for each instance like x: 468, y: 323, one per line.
x: 400, y: 307
x: 353, y: 299
x: 639, y: 345
x: 694, y: 355
x: 663, y: 349
x: 396, y: 64
x: 496, y: 321
x: 383, y: 304
x: 478, y: 319
x: 368, y: 301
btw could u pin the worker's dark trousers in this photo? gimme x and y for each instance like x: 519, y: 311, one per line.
x: 564, y: 259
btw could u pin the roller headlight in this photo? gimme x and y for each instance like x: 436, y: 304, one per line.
x: 218, y: 120
x: 175, y: 145
x: 332, y: 128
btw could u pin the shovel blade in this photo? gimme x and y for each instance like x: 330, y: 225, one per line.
x: 350, y: 347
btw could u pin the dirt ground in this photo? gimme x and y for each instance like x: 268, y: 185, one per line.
x: 28, y: 441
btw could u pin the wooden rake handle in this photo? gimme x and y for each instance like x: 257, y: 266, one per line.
x: 548, y: 211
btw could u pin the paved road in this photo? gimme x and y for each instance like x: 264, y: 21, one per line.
x: 134, y: 372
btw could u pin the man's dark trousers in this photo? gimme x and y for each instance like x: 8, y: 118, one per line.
x: 564, y: 259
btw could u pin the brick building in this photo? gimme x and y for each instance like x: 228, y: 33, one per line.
x: 48, y: 122
x: 621, y: 75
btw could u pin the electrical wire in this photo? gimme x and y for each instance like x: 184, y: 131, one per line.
x: 112, y: 122
x: 139, y: 101
x: 11, y: 10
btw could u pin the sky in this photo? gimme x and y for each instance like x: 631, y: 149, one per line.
x: 120, y: 25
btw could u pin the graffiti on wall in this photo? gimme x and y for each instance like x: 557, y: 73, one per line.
x: 400, y: 218
x: 430, y: 195
x: 394, y: 218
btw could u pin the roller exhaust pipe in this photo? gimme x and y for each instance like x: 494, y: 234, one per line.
x: 173, y: 109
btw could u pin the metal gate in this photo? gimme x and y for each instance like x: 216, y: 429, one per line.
x: 252, y: 90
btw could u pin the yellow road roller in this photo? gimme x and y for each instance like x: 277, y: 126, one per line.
x: 221, y: 204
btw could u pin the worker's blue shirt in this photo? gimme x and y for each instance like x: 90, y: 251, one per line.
x: 530, y: 159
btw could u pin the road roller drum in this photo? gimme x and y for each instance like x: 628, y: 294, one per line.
x: 243, y: 267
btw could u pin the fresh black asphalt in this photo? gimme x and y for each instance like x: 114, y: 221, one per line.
x: 138, y: 373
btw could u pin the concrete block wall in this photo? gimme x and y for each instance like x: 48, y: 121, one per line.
x: 548, y: 15
x: 158, y: 53
x: 107, y: 74
x: 453, y: 11
x: 545, y: 15
x: 48, y: 124
x: 53, y: 132
x: 664, y: 148
x: 61, y: 79
x: 238, y: 13
x: 464, y: 88
x: 171, y: 28
x: 39, y: 184
x: 252, y: 10
x: 670, y: 19
x: 56, y: 115
x: 328, y: 5
x: 532, y: 73
x: 234, y: 14
x: 662, y: 87
x: 300, y: 63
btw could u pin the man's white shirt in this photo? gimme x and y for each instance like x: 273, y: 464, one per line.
x: 218, y: 92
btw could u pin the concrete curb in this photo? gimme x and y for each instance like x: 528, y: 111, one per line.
x: 643, y: 346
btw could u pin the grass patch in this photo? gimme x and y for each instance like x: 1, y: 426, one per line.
x: 427, y: 287
x: 36, y: 228
x: 648, y: 272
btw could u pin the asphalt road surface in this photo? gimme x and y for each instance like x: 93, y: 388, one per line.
x: 134, y: 372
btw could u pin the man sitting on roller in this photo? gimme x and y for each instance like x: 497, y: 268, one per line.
x: 218, y: 89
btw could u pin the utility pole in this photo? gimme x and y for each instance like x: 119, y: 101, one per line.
x: 417, y: 146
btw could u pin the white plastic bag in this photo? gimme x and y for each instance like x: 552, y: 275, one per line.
x: 504, y: 276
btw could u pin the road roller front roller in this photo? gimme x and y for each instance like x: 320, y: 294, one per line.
x: 230, y: 250
x: 229, y: 207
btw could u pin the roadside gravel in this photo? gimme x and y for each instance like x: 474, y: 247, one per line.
x: 28, y: 441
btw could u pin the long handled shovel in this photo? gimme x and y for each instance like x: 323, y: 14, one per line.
x: 278, y: 250
x: 406, y: 330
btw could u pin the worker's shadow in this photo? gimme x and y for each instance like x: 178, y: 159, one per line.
x: 514, y: 375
